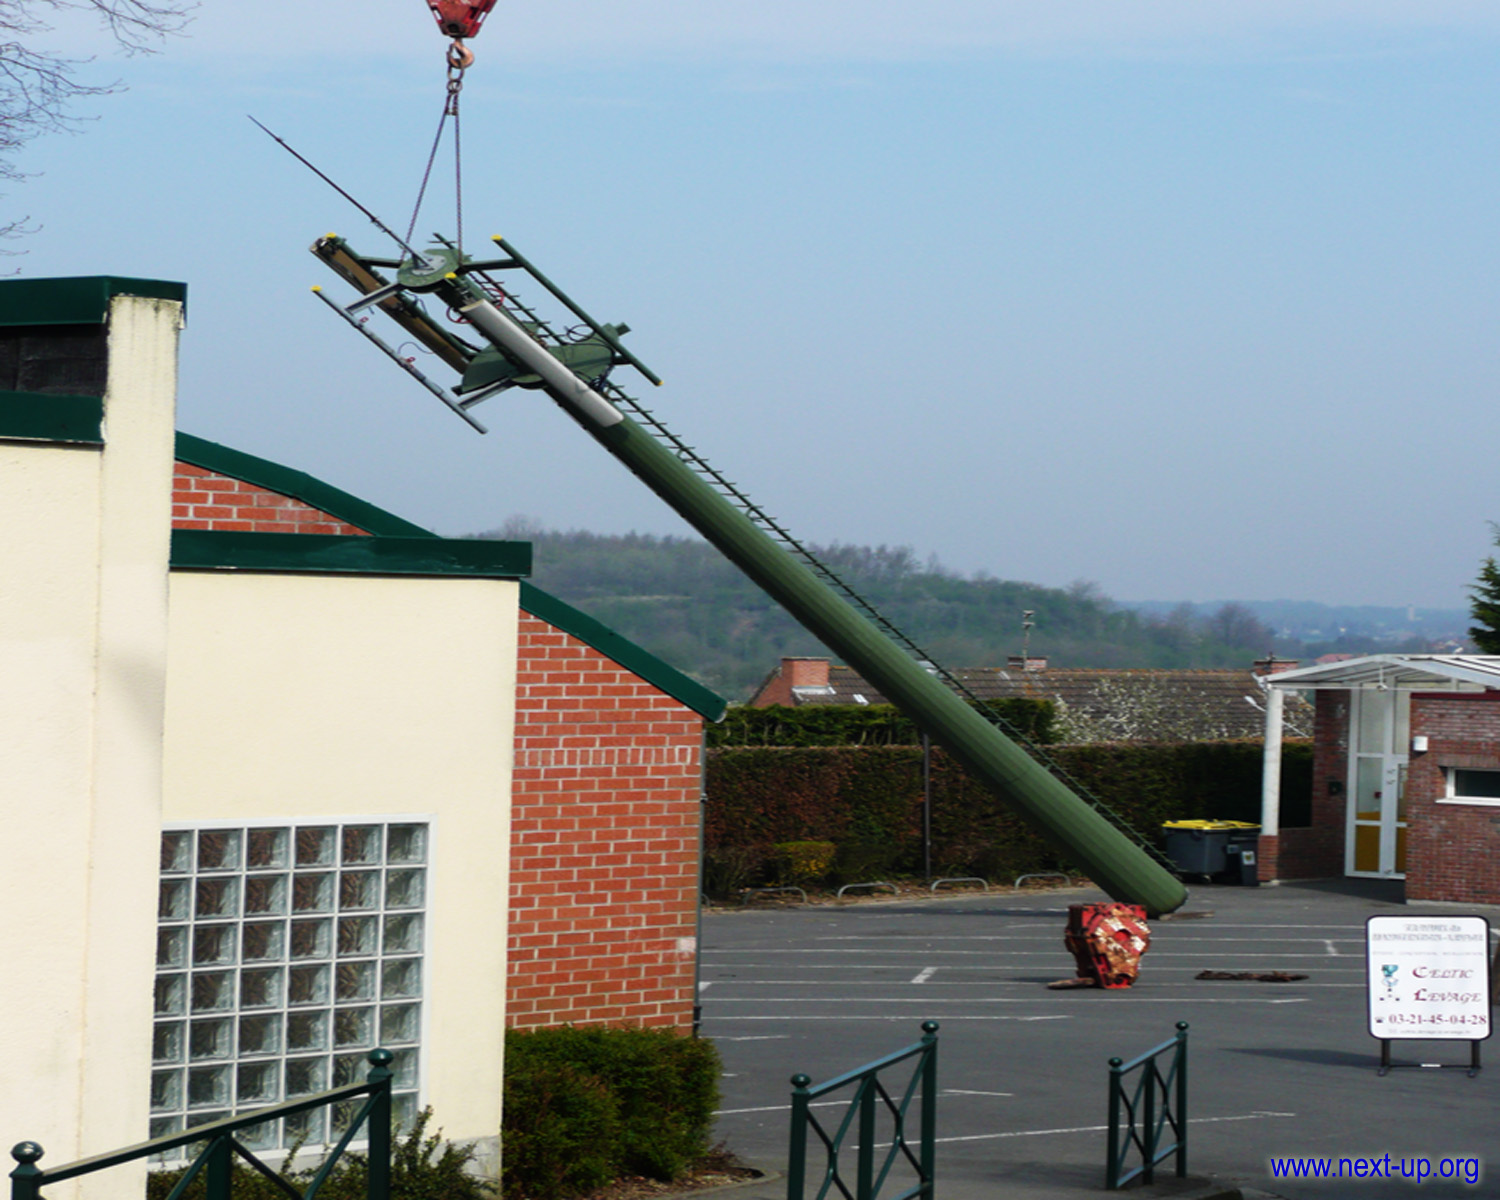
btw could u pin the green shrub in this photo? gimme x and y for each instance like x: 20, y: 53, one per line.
x: 802, y: 862
x: 730, y: 868
x: 864, y: 860
x: 561, y: 1129
x: 423, y: 1167
x: 585, y: 1106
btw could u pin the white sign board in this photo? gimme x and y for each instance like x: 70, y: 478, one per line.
x: 1428, y: 977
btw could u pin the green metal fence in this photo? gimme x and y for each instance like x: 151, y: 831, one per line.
x: 218, y: 1145
x: 1155, y: 1103
x: 871, y: 1097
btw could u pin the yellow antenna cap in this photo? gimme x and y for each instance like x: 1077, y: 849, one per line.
x: 450, y: 275
x: 317, y: 287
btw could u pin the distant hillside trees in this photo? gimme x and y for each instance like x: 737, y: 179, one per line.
x: 682, y: 600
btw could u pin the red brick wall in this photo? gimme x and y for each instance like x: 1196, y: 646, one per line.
x: 1317, y: 852
x: 604, y: 866
x: 203, y: 500
x: 791, y: 673
x: 1452, y: 850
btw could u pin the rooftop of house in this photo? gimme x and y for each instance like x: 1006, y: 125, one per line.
x: 1093, y: 704
x: 1407, y: 672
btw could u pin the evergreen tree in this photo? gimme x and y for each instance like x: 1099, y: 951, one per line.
x: 1485, y: 604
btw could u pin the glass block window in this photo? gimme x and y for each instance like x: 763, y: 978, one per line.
x: 284, y: 954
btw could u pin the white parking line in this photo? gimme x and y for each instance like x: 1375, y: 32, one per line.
x: 1118, y: 998
x: 927, y: 953
x: 1259, y: 925
x: 729, y: 1112
x: 1176, y: 973
x: 904, y: 1019
x: 1052, y: 937
x: 925, y: 974
x: 989, y: 1137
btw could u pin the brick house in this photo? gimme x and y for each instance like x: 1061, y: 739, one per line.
x: 1406, y: 776
x: 1092, y: 704
x: 607, y: 780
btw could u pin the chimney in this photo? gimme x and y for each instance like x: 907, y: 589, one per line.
x: 804, y: 672
x: 1273, y: 665
x: 1033, y: 662
x: 794, y: 679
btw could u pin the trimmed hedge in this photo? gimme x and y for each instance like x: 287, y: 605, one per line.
x: 860, y: 725
x: 868, y: 802
x: 584, y: 1107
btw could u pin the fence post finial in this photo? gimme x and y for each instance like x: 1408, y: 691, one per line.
x: 25, y: 1179
x: 378, y: 1179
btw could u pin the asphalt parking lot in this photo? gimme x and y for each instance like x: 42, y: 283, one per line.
x: 1276, y: 1070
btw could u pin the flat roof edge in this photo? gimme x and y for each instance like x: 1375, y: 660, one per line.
x: 354, y: 554
x: 76, y: 299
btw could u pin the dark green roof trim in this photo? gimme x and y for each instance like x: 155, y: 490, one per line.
x: 297, y: 484
x: 623, y: 651
x: 288, y: 482
x: 34, y: 417
x: 331, y: 554
x: 77, y: 300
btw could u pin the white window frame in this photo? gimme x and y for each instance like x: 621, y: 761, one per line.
x: 1450, y: 796
x: 409, y: 1091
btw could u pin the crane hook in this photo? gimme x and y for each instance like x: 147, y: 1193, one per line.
x: 460, y: 57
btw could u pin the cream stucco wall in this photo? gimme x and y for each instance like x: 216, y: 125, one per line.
x: 49, y: 596
x: 308, y: 696
x: 83, y: 593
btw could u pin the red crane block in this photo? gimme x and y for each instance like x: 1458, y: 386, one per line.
x: 1107, y: 941
x: 460, y: 18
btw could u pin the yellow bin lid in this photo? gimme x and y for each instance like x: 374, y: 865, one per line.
x: 1209, y: 825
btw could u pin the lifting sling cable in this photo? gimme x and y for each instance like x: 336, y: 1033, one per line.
x: 458, y: 19
x: 459, y: 58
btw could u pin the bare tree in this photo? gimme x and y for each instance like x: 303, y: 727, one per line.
x: 37, y: 87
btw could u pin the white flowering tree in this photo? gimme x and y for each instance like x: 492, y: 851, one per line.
x: 1146, y: 708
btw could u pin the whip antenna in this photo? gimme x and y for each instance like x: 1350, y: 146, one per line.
x: 374, y: 220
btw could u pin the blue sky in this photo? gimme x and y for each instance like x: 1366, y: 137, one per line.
x: 1193, y: 300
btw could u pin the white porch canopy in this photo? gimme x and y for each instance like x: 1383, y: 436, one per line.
x: 1399, y: 672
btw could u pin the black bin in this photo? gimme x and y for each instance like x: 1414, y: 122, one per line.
x: 1224, y: 850
x: 1243, y: 861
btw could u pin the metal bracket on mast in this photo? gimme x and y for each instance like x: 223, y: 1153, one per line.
x: 514, y: 335
x: 405, y: 364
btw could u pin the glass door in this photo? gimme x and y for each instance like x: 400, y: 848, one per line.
x: 1377, y: 783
